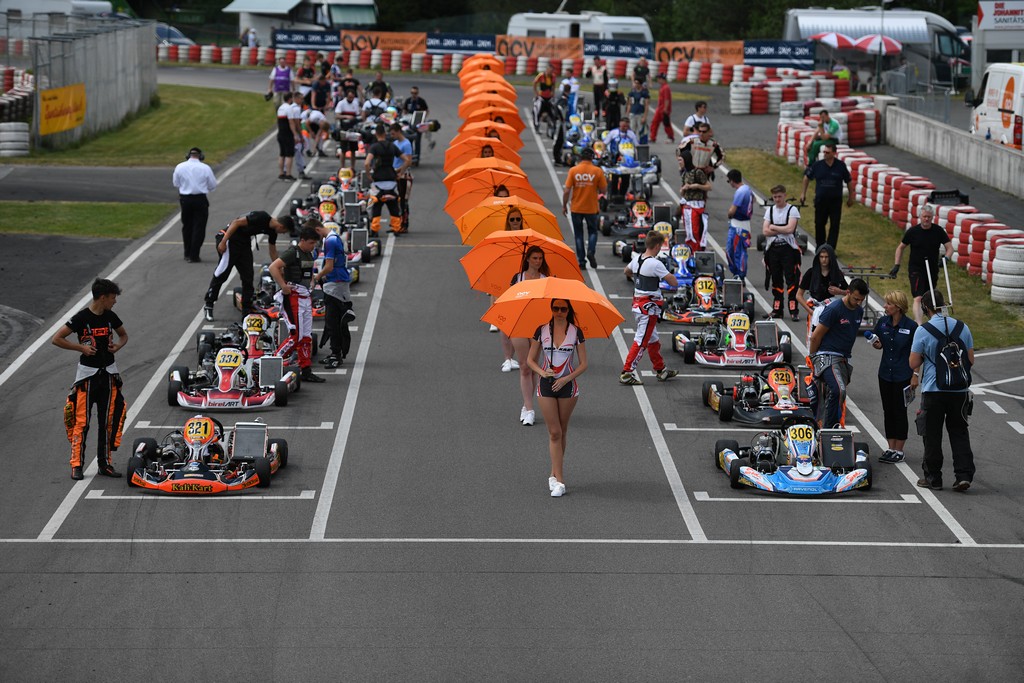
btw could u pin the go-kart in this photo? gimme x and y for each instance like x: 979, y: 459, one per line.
x: 232, y: 381
x: 579, y: 135
x: 257, y: 335
x: 704, y: 296
x: 197, y: 461
x: 628, y: 177
x: 731, y: 344
x: 797, y: 459
x: 762, y: 399
x: 630, y: 226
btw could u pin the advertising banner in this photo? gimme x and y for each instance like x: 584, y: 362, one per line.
x: 798, y: 54
x: 1007, y: 15
x: 380, y: 40
x: 61, y: 109
x: 623, y: 49
x: 288, y: 39
x: 552, y: 48
x: 728, y: 52
x: 440, y: 43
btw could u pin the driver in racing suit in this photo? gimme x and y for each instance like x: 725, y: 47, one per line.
x: 700, y: 151
x: 647, y: 271
x: 544, y: 90
x: 619, y: 181
x: 293, y: 273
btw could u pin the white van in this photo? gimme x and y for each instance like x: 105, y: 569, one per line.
x: 998, y: 113
x: 586, y: 25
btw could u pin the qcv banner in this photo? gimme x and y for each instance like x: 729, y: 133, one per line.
x: 61, y: 109
x: 379, y: 40
x: 798, y: 54
x: 617, y: 48
x: 441, y: 43
x: 1008, y: 15
x: 552, y: 48
x: 306, y: 40
x: 728, y: 52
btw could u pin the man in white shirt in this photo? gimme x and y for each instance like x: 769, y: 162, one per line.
x: 295, y: 123
x: 700, y: 115
x: 346, y: 117
x: 194, y: 180
x: 570, y: 80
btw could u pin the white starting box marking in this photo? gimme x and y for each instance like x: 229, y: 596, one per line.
x: 705, y: 497
x: 100, y: 494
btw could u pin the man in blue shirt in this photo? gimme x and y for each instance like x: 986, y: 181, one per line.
x: 740, y: 210
x: 404, y: 178
x: 335, y: 279
x: 942, y: 407
x: 829, y: 174
x: 830, y: 350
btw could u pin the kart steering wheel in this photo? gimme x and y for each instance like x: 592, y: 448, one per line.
x: 775, y: 365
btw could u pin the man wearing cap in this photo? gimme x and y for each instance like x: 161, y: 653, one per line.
x: 663, y: 114
x: 584, y: 182
x: 194, y: 180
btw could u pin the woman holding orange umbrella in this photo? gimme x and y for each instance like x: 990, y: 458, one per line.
x: 534, y: 267
x: 513, y: 221
x: 551, y: 354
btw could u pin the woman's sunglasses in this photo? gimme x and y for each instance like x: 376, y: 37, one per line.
x: 515, y: 219
x: 559, y: 309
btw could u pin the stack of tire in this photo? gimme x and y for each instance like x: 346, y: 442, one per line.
x: 1008, y: 274
x: 14, y: 138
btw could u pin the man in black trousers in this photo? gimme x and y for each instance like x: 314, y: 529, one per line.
x: 829, y: 174
x: 194, y: 180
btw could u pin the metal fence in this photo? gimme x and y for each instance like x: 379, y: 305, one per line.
x: 920, y: 98
x: 114, y: 59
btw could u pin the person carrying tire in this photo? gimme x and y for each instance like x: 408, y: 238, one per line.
x: 781, y: 252
x: 293, y: 273
x: 380, y: 164
x: 234, y: 244
x: 101, y: 334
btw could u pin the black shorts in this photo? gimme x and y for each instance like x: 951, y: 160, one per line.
x: 286, y: 146
x: 567, y: 391
x: 919, y: 285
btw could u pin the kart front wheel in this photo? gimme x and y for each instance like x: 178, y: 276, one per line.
x: 690, y: 352
x: 282, y: 450
x: 134, y: 463
x: 734, y: 474
x: 705, y: 391
x: 723, y: 444
x: 173, y: 387
x: 183, y: 373
x: 281, y: 393
x: 262, y: 467
x: 725, y: 408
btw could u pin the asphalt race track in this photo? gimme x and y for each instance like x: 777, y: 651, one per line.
x: 412, y: 536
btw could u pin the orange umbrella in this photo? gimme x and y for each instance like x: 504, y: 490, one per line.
x: 491, y: 88
x: 485, y: 79
x: 489, y: 216
x: 474, y: 165
x: 471, y: 148
x: 470, y: 191
x: 497, y: 258
x: 499, y: 131
x: 482, y: 61
x: 487, y: 107
x: 527, y: 305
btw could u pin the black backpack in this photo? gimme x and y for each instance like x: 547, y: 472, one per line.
x: 952, y: 364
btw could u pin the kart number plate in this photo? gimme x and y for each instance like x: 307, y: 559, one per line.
x: 229, y: 358
x: 705, y: 285
x: 328, y: 208
x: 780, y: 377
x: 739, y: 323
x: 801, y: 433
x: 254, y: 323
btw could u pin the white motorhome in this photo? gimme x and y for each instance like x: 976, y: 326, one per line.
x: 931, y: 44
x: 586, y: 24
x: 78, y: 7
x: 303, y: 15
x: 998, y: 112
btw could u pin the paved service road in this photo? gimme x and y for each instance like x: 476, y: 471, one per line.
x: 412, y: 535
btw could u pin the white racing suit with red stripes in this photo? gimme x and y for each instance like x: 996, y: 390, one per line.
x: 298, y: 315
x: 695, y: 220
x: 647, y: 311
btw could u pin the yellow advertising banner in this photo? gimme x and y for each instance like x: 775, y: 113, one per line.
x: 61, y: 109
x: 552, y: 48
x: 728, y: 52
x: 381, y: 40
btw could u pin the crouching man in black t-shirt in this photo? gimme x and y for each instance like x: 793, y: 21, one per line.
x: 101, y: 334
x: 924, y: 239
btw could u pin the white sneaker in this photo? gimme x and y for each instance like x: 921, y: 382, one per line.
x: 529, y: 418
x: 507, y: 365
x: 551, y: 483
x: 522, y: 413
x: 558, y: 490
x: 493, y: 328
x: 514, y: 362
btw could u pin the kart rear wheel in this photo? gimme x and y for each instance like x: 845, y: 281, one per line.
x: 787, y: 351
x: 723, y: 444
x: 870, y: 478
x: 207, y: 337
x: 761, y: 239
x: 734, y: 473
x: 282, y: 450
x: 862, y: 446
x: 725, y: 408
x: 705, y: 390
x: 262, y: 467
x: 173, y: 387
x: 366, y: 254
x: 134, y: 463
x: 690, y: 352
x: 281, y: 393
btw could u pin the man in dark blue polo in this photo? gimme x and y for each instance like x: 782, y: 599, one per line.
x: 829, y: 174
x: 830, y: 350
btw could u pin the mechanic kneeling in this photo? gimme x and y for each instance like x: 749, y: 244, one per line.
x: 293, y: 273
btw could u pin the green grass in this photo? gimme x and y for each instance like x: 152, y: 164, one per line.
x: 868, y: 239
x: 218, y: 121
x: 81, y: 219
